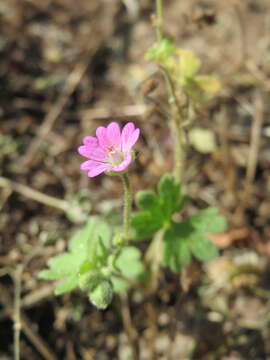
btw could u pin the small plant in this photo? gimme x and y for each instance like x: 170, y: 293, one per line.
x: 101, y: 260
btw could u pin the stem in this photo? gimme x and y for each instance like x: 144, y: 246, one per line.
x: 175, y: 127
x: 130, y: 330
x: 153, y: 258
x: 127, y: 204
x: 178, y: 151
x: 159, y: 19
x: 17, y: 311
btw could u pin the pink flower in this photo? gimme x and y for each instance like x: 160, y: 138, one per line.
x: 110, y: 149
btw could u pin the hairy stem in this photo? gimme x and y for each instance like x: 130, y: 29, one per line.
x: 159, y: 19
x: 178, y: 150
x: 176, y: 110
x: 175, y: 125
x: 17, y: 311
x: 127, y: 204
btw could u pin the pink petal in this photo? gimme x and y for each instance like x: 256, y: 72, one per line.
x: 126, y: 132
x: 93, y: 152
x: 113, y: 134
x: 129, y: 137
x: 94, y: 168
x: 90, y: 140
x: 124, y: 164
x: 101, y: 134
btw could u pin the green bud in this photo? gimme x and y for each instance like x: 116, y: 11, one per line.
x: 101, y: 295
x: 118, y: 239
x: 105, y: 271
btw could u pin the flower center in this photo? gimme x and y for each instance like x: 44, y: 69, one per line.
x: 115, y: 155
x: 111, y: 149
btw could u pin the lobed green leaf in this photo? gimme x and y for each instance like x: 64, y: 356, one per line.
x: 157, y: 209
x: 161, y: 51
x: 87, y: 250
x: 130, y: 266
x: 208, y: 221
x: 147, y: 200
x: 183, y: 239
x: 145, y: 224
x: 169, y: 194
x: 175, y: 246
x: 203, y: 248
x: 67, y: 285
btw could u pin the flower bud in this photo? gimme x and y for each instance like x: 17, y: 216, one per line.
x: 118, y: 239
x: 101, y: 295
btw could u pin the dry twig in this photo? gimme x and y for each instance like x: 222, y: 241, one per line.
x: 34, y: 194
x: 20, y: 320
x: 253, y: 154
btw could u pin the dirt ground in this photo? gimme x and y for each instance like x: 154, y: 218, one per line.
x: 67, y: 67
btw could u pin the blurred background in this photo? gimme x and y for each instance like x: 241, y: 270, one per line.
x: 65, y: 68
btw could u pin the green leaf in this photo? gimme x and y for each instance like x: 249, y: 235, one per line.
x: 86, y: 242
x: 203, y: 248
x: 78, y: 243
x: 157, y: 209
x: 119, y: 285
x: 66, y: 285
x: 169, y: 194
x: 176, y: 248
x: 63, y: 265
x: 208, y: 221
x: 128, y: 262
x: 161, y: 51
x: 48, y: 274
x: 130, y: 266
x: 147, y: 200
x: 190, y: 237
x: 145, y: 224
x: 87, y: 250
x: 183, y: 200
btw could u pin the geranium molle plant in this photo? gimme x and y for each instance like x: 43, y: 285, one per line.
x: 111, y: 149
x: 100, y: 259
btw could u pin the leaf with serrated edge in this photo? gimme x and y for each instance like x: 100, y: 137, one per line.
x: 128, y: 262
x: 92, y: 241
x: 157, y: 208
x: 130, y: 265
x: 208, y: 221
x: 64, y: 264
x: 66, y: 285
x: 190, y: 236
x: 145, y: 224
x: 84, y: 241
x: 78, y: 243
x: 49, y: 274
x: 169, y: 193
x: 147, y: 200
x: 176, y: 250
x: 203, y: 248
